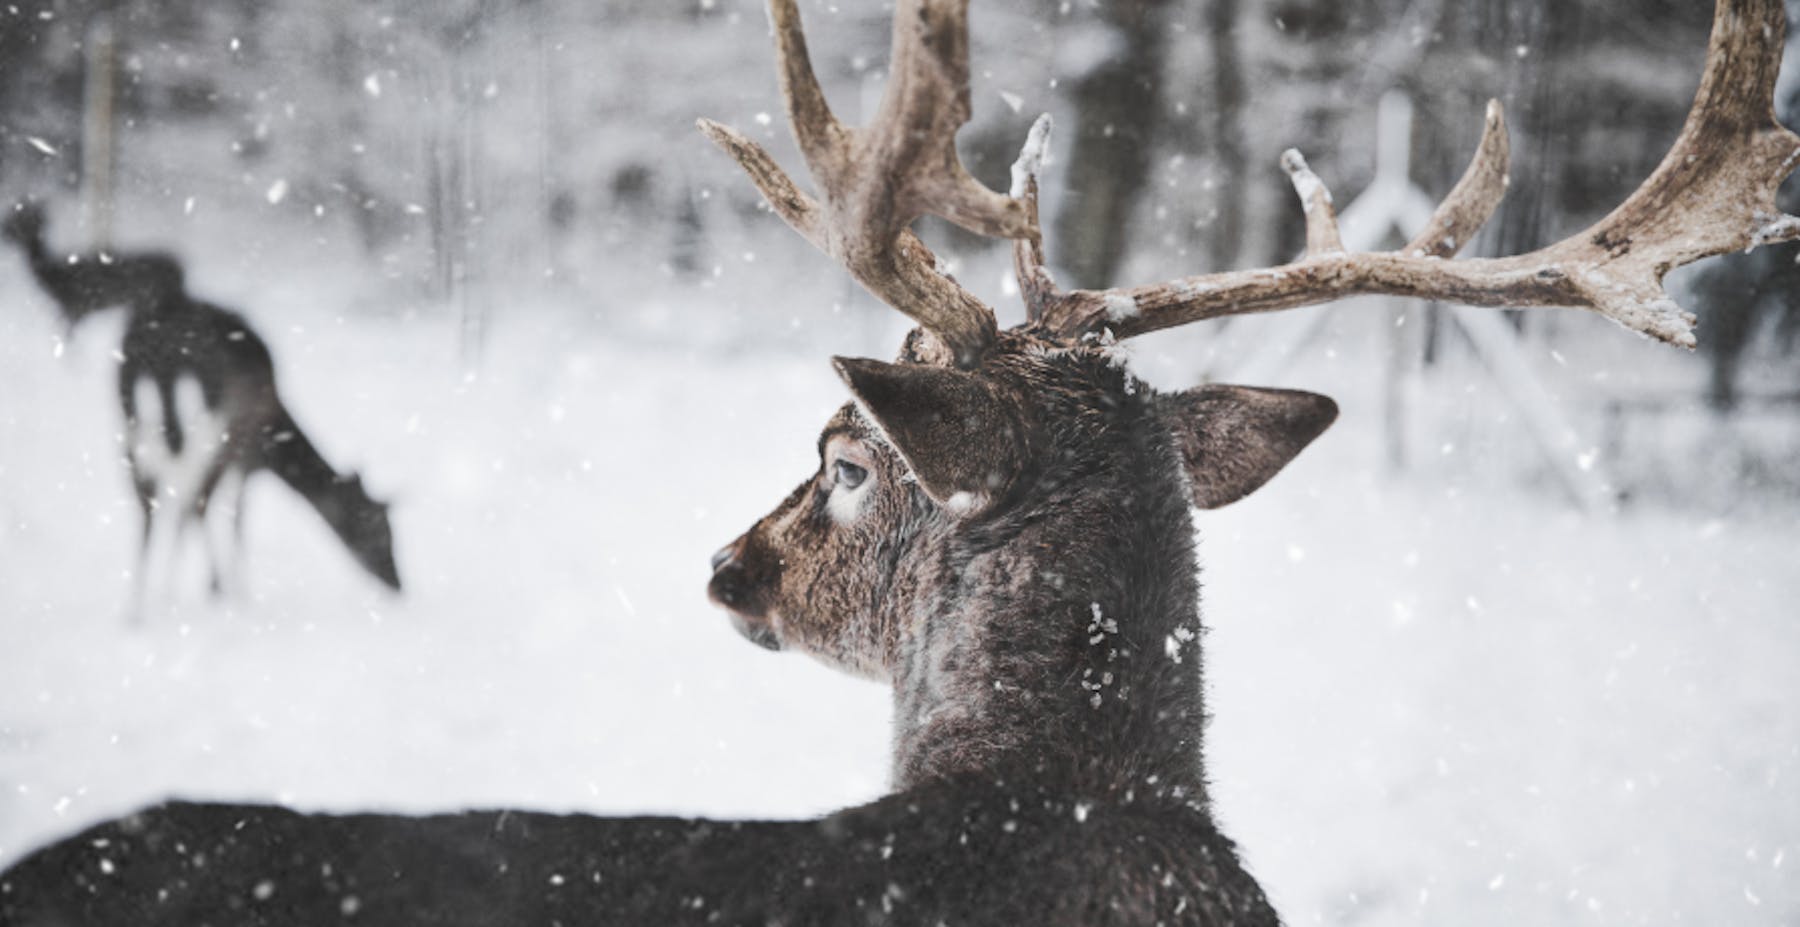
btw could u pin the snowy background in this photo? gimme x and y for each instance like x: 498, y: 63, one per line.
x: 1445, y: 691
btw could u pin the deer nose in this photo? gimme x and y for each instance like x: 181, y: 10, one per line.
x: 732, y: 585
x: 726, y: 554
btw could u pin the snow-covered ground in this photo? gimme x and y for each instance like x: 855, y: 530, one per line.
x: 1438, y: 698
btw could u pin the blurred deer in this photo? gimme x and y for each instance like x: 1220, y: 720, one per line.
x: 201, y: 416
x: 82, y: 284
x: 197, y: 387
x: 999, y: 527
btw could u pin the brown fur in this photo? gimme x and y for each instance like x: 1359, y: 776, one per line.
x: 1034, y: 601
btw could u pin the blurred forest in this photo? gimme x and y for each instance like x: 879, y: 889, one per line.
x: 462, y: 153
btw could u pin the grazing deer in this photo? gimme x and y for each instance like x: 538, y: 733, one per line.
x: 999, y: 528
x: 201, y: 415
x: 197, y: 387
x: 83, y: 284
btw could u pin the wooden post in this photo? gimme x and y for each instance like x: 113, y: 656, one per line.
x: 98, y: 139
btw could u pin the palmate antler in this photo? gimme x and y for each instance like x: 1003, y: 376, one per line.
x: 1714, y: 192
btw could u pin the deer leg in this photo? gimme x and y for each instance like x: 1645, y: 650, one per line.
x: 174, y: 449
x: 238, y: 574
x: 153, y: 585
x: 147, y: 450
x: 203, y: 513
x: 203, y: 508
x: 196, y: 467
x: 146, y: 492
x: 222, y: 518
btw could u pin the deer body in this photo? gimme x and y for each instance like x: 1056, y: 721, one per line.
x: 931, y: 855
x: 197, y: 387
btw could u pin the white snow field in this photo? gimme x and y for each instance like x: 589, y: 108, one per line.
x: 1441, y: 696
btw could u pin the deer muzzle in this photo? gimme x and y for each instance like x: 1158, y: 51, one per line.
x: 737, y: 588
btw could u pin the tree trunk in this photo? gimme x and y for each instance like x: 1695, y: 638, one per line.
x: 1120, y: 109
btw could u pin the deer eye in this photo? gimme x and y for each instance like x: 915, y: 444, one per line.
x: 847, y: 474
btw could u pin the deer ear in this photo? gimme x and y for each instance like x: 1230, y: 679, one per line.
x: 1233, y: 439
x: 964, y: 444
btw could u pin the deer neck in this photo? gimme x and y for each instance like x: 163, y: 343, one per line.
x: 1061, y: 644
x: 289, y: 455
x: 44, y: 267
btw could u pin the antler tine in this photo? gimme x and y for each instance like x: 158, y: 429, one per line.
x: 1713, y: 192
x: 786, y: 198
x: 929, y: 89
x: 1035, y: 284
x: 816, y: 130
x: 875, y: 181
x: 1473, y: 200
x: 1321, y: 219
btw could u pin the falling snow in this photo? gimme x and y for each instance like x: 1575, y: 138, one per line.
x: 1402, y: 652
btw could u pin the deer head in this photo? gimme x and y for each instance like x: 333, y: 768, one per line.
x: 1012, y: 538
x: 361, y: 522
x: 25, y: 225
x: 999, y: 523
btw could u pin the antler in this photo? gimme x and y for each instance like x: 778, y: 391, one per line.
x: 876, y: 180
x: 1713, y: 192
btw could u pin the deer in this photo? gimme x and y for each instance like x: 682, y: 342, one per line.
x: 196, y: 385
x: 202, y: 415
x: 999, y: 528
x: 84, y: 283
